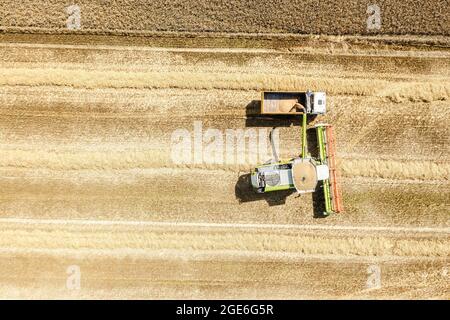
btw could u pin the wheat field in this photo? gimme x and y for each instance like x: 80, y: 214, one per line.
x: 294, y: 16
x: 88, y: 178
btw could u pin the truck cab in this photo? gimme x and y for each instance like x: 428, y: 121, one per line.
x: 318, y: 103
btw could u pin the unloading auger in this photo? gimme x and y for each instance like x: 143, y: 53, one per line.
x: 303, y: 173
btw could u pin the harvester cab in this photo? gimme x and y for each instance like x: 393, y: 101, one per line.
x: 303, y: 173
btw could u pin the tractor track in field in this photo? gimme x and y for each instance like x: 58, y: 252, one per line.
x: 389, y: 53
x: 261, y: 226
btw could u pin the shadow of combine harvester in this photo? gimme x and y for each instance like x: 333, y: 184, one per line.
x: 245, y: 193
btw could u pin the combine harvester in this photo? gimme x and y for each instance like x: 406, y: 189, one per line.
x: 302, y: 173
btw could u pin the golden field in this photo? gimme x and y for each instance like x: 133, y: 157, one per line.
x: 87, y: 177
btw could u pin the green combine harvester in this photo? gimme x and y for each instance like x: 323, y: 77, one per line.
x: 303, y: 173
